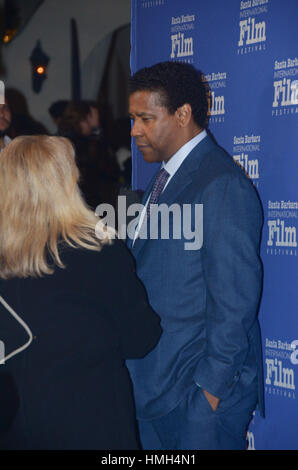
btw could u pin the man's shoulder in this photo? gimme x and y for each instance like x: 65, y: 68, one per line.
x: 214, y: 161
x: 217, y: 168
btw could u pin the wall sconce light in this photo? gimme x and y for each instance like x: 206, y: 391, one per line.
x: 9, y: 35
x: 39, y: 61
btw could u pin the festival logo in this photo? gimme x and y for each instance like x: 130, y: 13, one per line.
x: 250, y: 440
x: 182, y: 43
x: 285, y: 87
x: 294, y: 354
x: 279, y: 370
x: 216, y: 83
x: 282, y: 228
x: 246, y: 152
x: 252, y: 26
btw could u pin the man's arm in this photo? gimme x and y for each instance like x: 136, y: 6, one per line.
x: 233, y: 276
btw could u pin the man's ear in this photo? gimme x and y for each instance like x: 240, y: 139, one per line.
x: 184, y: 114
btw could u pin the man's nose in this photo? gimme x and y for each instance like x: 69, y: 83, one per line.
x: 136, y: 129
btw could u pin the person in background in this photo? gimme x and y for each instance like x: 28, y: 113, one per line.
x: 199, y: 387
x: 82, y: 118
x: 99, y: 171
x: 5, y: 122
x: 122, y: 149
x: 68, y: 284
x: 22, y: 123
x: 91, y: 125
x: 56, y: 111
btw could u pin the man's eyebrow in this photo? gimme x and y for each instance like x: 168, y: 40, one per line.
x: 140, y: 114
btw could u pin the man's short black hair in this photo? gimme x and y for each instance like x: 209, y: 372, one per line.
x: 177, y: 83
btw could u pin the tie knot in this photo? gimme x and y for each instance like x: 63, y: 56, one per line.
x: 159, y: 184
x: 160, y: 181
x: 161, y: 177
x: 162, y: 171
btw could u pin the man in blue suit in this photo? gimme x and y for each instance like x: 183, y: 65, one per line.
x: 199, y: 387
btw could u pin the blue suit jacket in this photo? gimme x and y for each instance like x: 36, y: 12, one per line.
x: 207, y: 298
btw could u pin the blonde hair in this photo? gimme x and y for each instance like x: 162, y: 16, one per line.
x: 40, y: 206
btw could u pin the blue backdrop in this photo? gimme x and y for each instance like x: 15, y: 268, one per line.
x: 248, y: 52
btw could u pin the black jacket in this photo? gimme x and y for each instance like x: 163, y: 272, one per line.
x: 70, y: 389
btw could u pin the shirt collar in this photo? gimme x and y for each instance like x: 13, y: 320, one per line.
x: 7, y: 140
x: 176, y: 160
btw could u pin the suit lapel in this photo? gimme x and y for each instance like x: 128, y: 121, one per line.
x: 138, y: 244
x: 177, y: 184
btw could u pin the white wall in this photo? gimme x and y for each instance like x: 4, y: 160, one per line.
x: 51, y: 24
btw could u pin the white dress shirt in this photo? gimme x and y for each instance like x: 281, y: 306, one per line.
x: 171, y: 166
x: 6, y: 141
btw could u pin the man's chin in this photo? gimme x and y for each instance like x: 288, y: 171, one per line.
x: 148, y: 154
x: 3, y: 126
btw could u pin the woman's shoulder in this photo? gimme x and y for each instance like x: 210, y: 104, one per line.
x: 111, y: 255
x: 98, y: 273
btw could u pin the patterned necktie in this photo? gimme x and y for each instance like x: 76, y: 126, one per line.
x: 161, y: 179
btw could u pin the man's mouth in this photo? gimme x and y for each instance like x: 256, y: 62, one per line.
x: 142, y: 145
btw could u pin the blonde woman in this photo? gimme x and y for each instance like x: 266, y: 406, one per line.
x: 71, y: 311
